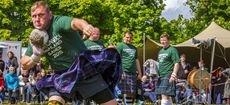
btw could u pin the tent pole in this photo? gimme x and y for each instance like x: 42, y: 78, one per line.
x: 143, y: 52
x: 201, y: 49
x: 211, y: 65
x: 212, y: 56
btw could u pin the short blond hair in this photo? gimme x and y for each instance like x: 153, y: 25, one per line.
x: 165, y: 35
x: 38, y: 4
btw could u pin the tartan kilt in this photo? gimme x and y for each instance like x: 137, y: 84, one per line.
x: 164, y: 87
x: 129, y: 85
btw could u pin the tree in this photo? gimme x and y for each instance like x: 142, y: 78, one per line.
x: 14, y: 20
x: 114, y: 17
x: 207, y: 11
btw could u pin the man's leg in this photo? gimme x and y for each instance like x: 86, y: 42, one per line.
x: 153, y: 96
x: 120, y: 98
x: 129, y: 99
x: 166, y: 100
x: 111, y: 102
x: 55, y: 98
x: 101, y: 99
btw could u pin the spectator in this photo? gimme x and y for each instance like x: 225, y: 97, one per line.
x: 201, y: 65
x: 2, y: 63
x: 31, y: 93
x: 11, y: 80
x: 23, y: 85
x: 37, y: 68
x: 183, y: 91
x: 2, y: 86
x: 148, y: 89
x: 12, y: 62
x: 226, y: 73
x: 184, y: 68
x: 42, y: 96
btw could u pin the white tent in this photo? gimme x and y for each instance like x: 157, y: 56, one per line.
x: 221, y: 37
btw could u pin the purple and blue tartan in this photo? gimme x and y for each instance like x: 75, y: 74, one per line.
x: 89, y: 63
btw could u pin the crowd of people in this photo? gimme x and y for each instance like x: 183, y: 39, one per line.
x: 84, y: 71
x: 19, y: 86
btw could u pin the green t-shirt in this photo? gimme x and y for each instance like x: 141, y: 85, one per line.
x: 128, y: 54
x: 167, y: 57
x: 64, y: 45
x: 93, y: 45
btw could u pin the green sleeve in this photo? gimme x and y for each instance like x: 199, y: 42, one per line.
x: 29, y: 50
x: 64, y: 23
x: 119, y: 48
x: 175, y: 56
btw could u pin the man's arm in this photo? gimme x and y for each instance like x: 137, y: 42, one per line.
x: 174, y: 73
x: 80, y: 24
x: 176, y: 68
x: 139, y: 69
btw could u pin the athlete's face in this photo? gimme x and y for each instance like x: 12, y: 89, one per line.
x: 41, y: 17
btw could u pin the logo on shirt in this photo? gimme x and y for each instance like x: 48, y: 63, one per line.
x: 54, y: 49
x: 131, y: 52
x: 95, y: 47
x: 162, y: 57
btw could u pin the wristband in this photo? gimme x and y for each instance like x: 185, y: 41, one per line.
x: 35, y: 58
x: 174, y: 74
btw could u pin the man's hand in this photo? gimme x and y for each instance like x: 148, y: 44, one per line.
x: 139, y: 77
x: 88, y: 30
x: 37, y: 51
x: 173, y: 78
x: 123, y: 76
x: 84, y: 37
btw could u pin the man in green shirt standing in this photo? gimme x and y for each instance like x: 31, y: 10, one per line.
x: 130, y: 67
x: 92, y: 43
x: 168, y: 59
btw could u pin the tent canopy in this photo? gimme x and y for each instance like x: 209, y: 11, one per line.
x: 213, y: 31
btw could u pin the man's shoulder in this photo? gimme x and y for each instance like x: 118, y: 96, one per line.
x: 86, y: 41
x: 120, y: 44
x: 57, y: 17
x: 133, y: 46
x: 60, y: 20
x: 172, y: 47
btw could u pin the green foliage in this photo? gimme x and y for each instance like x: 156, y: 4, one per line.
x: 15, y: 20
x: 114, y: 17
x: 207, y: 11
